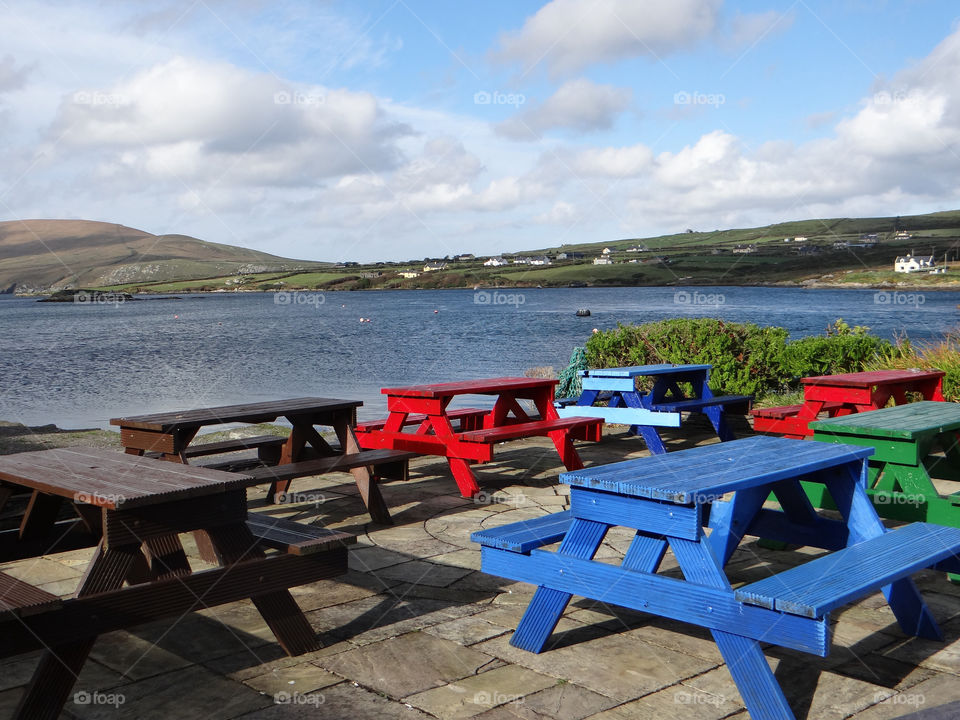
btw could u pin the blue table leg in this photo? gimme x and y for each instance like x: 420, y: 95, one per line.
x: 716, y: 415
x: 904, y: 599
x: 649, y: 433
x: 547, y: 605
x: 587, y: 398
x: 730, y: 520
x: 745, y: 660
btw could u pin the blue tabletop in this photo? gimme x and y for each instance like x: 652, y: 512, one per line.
x: 638, y: 370
x: 703, y: 474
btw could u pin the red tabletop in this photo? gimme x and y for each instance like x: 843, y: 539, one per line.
x: 874, y: 378
x: 490, y: 386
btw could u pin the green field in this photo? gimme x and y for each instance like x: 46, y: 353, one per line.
x: 688, y: 258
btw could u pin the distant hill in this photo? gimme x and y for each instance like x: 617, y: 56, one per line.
x: 37, y: 255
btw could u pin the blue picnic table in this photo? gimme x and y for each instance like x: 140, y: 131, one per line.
x: 662, y: 406
x: 666, y: 499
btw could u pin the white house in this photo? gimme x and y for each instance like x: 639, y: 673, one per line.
x: 520, y: 260
x: 800, y: 238
x: 602, y: 261
x: 607, y: 251
x: 409, y: 274
x: 542, y: 260
x: 912, y: 263
x: 430, y: 267
x: 496, y: 262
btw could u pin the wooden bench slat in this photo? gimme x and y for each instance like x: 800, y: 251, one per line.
x: 784, y: 411
x: 527, y: 429
x: 460, y: 414
x: 225, y: 446
x: 21, y: 597
x: 296, y: 538
x: 699, y: 403
x: 320, y: 466
x: 526, y: 535
x: 821, y: 585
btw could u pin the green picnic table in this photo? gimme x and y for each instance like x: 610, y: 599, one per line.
x: 914, y: 445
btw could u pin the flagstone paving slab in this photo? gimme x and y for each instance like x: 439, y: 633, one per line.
x: 563, y: 701
x: 467, y: 631
x: 476, y: 693
x: 408, y: 664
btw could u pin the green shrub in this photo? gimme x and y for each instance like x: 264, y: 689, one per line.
x: 942, y: 355
x: 842, y: 350
x: 747, y: 359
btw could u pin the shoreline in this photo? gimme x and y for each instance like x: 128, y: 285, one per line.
x: 798, y: 285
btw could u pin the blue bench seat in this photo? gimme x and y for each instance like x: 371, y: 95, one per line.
x: 526, y: 535
x: 729, y: 401
x: 819, y: 586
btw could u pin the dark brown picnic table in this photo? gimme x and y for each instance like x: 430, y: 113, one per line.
x: 170, y: 435
x: 133, y: 509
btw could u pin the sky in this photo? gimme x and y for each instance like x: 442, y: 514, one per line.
x: 398, y: 129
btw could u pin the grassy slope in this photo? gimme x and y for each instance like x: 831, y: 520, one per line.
x: 51, y: 253
x: 690, y: 259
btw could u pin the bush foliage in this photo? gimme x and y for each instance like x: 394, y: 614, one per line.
x: 747, y: 359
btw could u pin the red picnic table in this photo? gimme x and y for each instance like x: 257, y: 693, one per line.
x: 838, y: 395
x: 426, y: 406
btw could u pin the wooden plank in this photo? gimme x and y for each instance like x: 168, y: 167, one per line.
x: 700, y: 403
x: 109, y: 479
x: 623, y: 415
x: 135, y: 524
x: 134, y: 605
x: 148, y: 440
x: 659, y: 595
x: 21, y: 598
x: 320, y: 466
x: 460, y: 414
x: 491, y: 386
x: 643, y: 370
x: 901, y: 421
x: 612, y: 384
x: 225, y: 446
x: 247, y: 412
x: 708, y: 472
x: 873, y: 378
x: 653, y: 516
x: 296, y: 538
x: 826, y: 583
x: 526, y: 535
x: 525, y: 429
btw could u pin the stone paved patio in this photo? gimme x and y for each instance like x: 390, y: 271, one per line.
x: 414, y: 630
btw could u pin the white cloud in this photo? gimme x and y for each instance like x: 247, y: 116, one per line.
x: 568, y: 35
x: 196, y: 121
x: 579, y: 105
x: 747, y: 29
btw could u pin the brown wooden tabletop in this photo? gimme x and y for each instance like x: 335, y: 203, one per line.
x: 109, y: 479
x: 248, y: 413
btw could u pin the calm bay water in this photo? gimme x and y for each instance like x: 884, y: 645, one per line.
x: 77, y: 365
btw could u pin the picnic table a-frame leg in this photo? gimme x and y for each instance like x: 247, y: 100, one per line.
x: 369, y: 488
